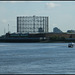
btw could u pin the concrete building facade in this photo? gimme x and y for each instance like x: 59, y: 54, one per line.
x: 32, y: 24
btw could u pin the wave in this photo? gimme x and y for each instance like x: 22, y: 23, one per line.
x: 2, y: 45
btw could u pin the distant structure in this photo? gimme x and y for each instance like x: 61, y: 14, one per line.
x: 32, y: 24
x: 57, y: 30
x: 70, y: 31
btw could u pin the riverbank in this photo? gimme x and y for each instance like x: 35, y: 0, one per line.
x: 21, y: 40
x: 38, y: 37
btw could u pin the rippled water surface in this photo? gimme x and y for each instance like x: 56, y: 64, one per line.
x: 36, y: 58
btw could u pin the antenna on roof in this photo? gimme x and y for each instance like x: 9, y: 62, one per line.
x: 8, y: 28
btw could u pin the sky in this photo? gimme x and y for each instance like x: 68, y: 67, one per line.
x: 61, y: 14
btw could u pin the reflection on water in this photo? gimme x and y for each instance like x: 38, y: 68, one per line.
x: 41, y: 58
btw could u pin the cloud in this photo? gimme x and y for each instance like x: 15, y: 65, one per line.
x: 52, y: 5
x: 4, y: 21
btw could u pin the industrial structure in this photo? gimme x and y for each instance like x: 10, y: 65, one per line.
x: 57, y: 30
x: 32, y: 24
x: 71, y: 31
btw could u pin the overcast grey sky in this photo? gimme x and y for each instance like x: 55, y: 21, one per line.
x: 61, y: 13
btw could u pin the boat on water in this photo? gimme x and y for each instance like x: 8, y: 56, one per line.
x: 71, y: 45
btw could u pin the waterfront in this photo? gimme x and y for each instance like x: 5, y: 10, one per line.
x: 36, y: 58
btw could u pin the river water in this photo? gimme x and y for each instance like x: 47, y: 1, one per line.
x: 36, y: 58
